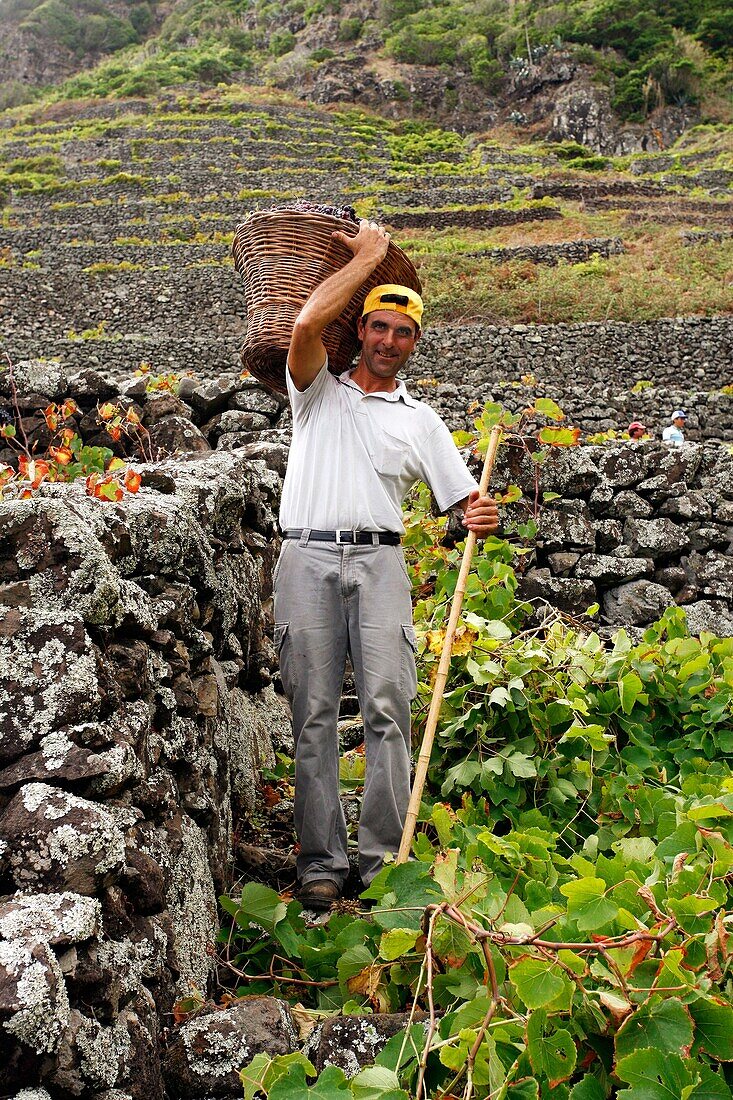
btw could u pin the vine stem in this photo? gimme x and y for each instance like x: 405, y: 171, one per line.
x: 16, y: 406
x: 411, y: 1018
x: 276, y: 977
x: 437, y: 910
x: 485, y: 938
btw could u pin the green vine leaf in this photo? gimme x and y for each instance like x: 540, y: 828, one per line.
x: 588, y: 1089
x: 588, y: 903
x: 331, y: 1085
x: 552, y: 1052
x: 664, y: 1024
x: 538, y: 982
x: 713, y: 1028
x: 397, y: 942
x: 656, y: 1075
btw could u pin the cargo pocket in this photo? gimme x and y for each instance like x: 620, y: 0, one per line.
x: 281, y: 630
x: 399, y: 554
x: 280, y: 638
x: 409, y: 671
x: 278, y: 563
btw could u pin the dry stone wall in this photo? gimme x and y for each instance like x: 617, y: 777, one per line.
x: 603, y: 375
x: 636, y: 528
x: 137, y: 708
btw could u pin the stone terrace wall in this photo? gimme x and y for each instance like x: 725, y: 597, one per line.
x: 637, y: 528
x: 136, y: 709
x: 687, y: 353
x: 589, y: 369
x: 663, y: 515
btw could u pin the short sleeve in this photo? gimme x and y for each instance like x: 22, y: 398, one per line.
x: 302, y: 402
x: 444, y: 470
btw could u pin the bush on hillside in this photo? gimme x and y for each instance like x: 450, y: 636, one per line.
x: 282, y: 42
x: 87, y: 27
x: 349, y: 30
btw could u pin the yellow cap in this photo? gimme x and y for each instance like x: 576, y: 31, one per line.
x: 399, y: 299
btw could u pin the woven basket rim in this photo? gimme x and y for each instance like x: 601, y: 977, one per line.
x: 283, y: 255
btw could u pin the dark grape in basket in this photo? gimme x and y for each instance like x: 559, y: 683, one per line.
x: 303, y: 206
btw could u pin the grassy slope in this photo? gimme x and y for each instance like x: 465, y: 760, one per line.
x: 662, y: 52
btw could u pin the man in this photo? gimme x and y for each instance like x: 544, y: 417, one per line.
x: 673, y: 432
x: 636, y: 430
x: 341, y: 587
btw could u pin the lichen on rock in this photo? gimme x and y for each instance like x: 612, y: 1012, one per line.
x: 58, y: 918
x: 48, y: 675
x: 35, y: 1005
x: 57, y: 840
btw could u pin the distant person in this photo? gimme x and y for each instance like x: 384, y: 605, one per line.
x: 673, y: 433
x: 637, y: 430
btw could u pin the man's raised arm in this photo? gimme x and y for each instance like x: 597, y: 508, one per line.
x: 307, y: 353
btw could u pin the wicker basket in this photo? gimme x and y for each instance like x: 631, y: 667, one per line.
x: 282, y: 255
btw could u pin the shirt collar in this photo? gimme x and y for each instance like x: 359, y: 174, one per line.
x: 398, y: 394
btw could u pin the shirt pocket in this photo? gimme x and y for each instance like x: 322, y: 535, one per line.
x: 389, y: 454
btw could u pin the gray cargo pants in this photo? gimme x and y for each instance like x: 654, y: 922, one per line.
x: 332, y: 600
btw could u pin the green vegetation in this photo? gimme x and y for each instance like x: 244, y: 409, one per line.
x: 651, y: 52
x: 656, y: 277
x: 106, y: 268
x: 350, y: 29
x: 656, y: 52
x: 41, y: 173
x: 563, y: 925
x: 82, y: 26
x: 86, y: 29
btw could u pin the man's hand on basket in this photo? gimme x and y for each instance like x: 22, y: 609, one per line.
x: 480, y: 514
x: 370, y: 243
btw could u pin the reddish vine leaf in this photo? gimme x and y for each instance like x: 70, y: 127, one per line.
x: 641, y: 952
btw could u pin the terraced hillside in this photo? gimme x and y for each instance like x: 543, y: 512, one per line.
x: 118, y: 220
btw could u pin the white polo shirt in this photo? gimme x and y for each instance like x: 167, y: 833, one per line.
x: 674, y: 435
x: 354, y: 456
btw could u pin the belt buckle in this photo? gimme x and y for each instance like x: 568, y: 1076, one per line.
x: 341, y: 531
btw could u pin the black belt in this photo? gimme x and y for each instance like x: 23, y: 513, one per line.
x: 344, y: 535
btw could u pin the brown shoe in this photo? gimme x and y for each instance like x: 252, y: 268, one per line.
x: 319, y: 894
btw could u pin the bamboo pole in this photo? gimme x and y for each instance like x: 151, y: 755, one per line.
x: 423, y: 760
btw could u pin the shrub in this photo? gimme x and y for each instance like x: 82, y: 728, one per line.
x: 141, y: 84
x: 211, y: 70
x: 393, y: 11
x: 588, y: 163
x: 487, y: 72
x: 282, y: 42
x: 629, y: 96
x: 141, y: 18
x: 416, y: 47
x: 349, y: 29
